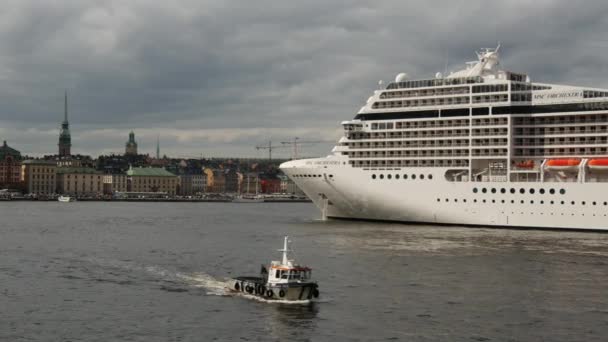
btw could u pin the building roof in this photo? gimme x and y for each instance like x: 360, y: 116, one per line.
x: 40, y: 162
x: 5, y: 150
x: 149, y: 171
x: 79, y: 170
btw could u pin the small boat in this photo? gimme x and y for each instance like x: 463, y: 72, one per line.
x: 283, y: 280
x: 248, y: 199
x: 598, y: 164
x: 562, y: 164
x: 66, y: 199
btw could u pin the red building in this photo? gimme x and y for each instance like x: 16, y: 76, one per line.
x: 10, y: 167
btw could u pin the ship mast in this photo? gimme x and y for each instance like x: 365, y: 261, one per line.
x: 285, y: 250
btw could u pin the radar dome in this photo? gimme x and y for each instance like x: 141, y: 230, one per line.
x: 401, y: 77
x: 438, y: 75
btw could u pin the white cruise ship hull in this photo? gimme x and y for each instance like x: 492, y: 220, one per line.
x: 342, y: 191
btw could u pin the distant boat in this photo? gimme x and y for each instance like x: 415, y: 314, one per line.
x: 249, y: 199
x: 66, y: 199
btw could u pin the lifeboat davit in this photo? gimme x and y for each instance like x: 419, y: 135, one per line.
x: 562, y: 164
x: 598, y: 164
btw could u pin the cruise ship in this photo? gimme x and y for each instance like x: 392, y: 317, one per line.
x: 480, y: 146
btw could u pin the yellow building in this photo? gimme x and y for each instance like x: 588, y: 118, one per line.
x: 39, y: 176
x: 151, y: 179
x: 79, y: 181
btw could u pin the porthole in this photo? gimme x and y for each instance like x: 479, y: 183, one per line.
x: 447, y: 200
x: 484, y: 201
x: 430, y: 176
x: 381, y: 176
x: 542, y: 202
x: 552, y: 191
x: 531, y: 202
x: 503, y: 201
x: 532, y: 191
x: 475, y: 190
x: 583, y: 203
x: 484, y: 190
x: 552, y: 202
x: 404, y: 176
x: 522, y: 201
x: 397, y: 176
x: 562, y: 202
x: 542, y: 191
x: 413, y: 176
x: 493, y: 190
x: 522, y: 191
x: 373, y: 176
x: 456, y: 200
x: 421, y: 176
x: 562, y: 191
x: 594, y: 203
x: 572, y: 202
x: 503, y: 190
x: 474, y: 201
x: 512, y: 190
x: 493, y: 201
x: 389, y: 176
x: 464, y: 200
x: 512, y: 201
x: 605, y: 203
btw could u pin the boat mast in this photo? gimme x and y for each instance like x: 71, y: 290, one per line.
x: 285, y: 250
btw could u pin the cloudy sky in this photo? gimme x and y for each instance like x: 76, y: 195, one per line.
x: 216, y: 78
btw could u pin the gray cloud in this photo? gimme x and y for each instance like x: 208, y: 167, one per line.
x: 217, y: 77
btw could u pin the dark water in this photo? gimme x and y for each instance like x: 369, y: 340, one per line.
x: 155, y: 272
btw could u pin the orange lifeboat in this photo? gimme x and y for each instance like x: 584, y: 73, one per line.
x: 562, y: 164
x: 598, y: 164
x: 525, y: 164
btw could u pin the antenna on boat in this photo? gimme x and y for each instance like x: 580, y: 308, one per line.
x: 285, y: 250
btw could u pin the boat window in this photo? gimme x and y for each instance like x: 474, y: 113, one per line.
x: 562, y: 191
x: 532, y: 191
x: 475, y: 190
x: 552, y: 191
x: 512, y: 190
x: 277, y: 274
x: 284, y: 274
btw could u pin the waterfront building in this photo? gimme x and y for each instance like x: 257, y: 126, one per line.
x: 65, y: 139
x: 216, y: 181
x: 79, y: 181
x: 131, y: 146
x: 114, y: 183
x: 39, y: 176
x: 151, y: 179
x: 191, y: 184
x: 250, y: 183
x: 10, y: 167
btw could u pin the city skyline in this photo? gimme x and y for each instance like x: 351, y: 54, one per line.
x: 208, y: 87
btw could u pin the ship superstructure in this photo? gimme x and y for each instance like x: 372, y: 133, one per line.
x: 481, y: 146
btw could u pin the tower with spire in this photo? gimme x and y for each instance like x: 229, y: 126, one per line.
x: 131, y: 146
x: 65, y: 140
x: 158, y: 147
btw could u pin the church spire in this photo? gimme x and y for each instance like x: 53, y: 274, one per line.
x: 158, y: 146
x: 65, y: 107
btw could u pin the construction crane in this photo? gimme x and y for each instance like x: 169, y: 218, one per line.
x: 269, y: 147
x: 296, y: 142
